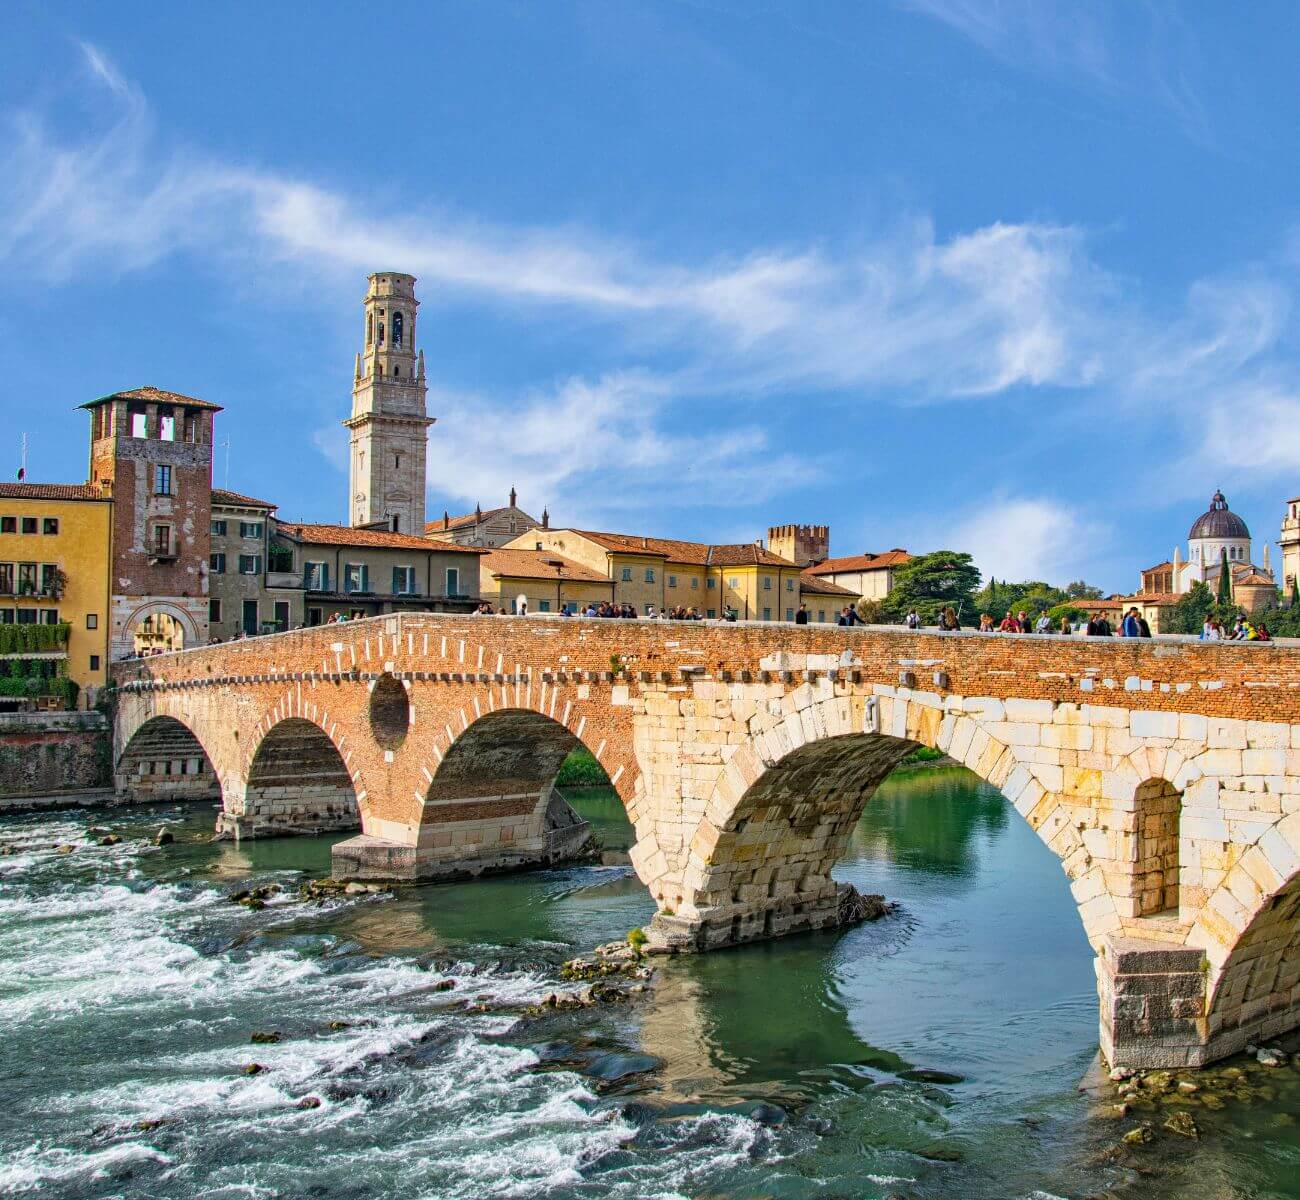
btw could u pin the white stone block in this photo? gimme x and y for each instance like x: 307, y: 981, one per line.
x: 1038, y: 711
x: 1143, y: 724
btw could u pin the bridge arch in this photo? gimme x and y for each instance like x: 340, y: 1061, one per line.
x: 163, y: 759
x: 1249, y: 932
x: 491, y: 802
x: 780, y: 816
x: 297, y: 781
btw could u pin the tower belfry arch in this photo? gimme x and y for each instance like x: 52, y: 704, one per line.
x: 389, y: 425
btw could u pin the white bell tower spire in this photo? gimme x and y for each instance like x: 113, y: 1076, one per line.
x: 388, y: 422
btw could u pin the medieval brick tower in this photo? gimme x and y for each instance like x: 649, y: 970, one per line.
x: 388, y: 422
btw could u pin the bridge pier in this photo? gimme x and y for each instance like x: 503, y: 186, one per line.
x: 475, y: 836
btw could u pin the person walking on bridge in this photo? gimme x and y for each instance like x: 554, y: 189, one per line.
x: 801, y: 617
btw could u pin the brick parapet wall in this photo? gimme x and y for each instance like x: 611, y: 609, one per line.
x: 1238, y: 679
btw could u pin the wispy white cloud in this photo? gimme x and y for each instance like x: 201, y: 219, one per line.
x: 1025, y: 537
x: 1148, y: 61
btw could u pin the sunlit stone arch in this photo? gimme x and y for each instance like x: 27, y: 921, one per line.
x: 782, y: 811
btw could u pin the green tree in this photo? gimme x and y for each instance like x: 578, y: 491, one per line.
x: 1191, y: 612
x: 1295, y: 593
x: 1078, y: 590
x: 1225, y: 580
x: 931, y: 582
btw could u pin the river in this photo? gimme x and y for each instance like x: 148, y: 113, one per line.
x: 130, y: 987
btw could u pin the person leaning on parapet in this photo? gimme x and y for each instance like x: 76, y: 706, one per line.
x: 913, y: 619
x: 1043, y: 624
x: 1130, y: 628
x: 986, y: 623
x: 948, y: 622
x: 1009, y: 624
x: 801, y: 617
x: 1099, y: 626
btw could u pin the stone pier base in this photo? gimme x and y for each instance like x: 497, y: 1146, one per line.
x: 1153, y: 1005
x: 372, y: 859
x: 831, y: 907
x: 238, y: 827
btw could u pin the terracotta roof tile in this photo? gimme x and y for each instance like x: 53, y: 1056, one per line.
x: 691, y: 553
x: 51, y: 491
x: 862, y: 562
x: 153, y: 395
x: 234, y: 499
x: 539, y: 564
x: 344, y: 535
x: 810, y: 583
x: 464, y: 521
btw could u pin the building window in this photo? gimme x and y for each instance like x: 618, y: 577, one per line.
x: 627, y: 574
x: 821, y: 616
x: 767, y: 583
x: 167, y: 427
x: 713, y: 612
x: 250, y: 529
x: 50, y: 525
x: 767, y: 614
x: 453, y: 581
x: 162, y: 540
x: 649, y: 574
x: 6, y: 579
x: 8, y: 524
x: 672, y: 581
x: 94, y: 662
x: 6, y: 616
x: 250, y: 564
x: 49, y: 572
x: 403, y: 581
x: 162, y: 480
x: 318, y: 576
x: 543, y: 606
x: 713, y: 583
x: 139, y: 425
x: 356, y: 578
x: 26, y: 579
x: 397, y: 329
x: 789, y: 585
x: 217, y: 564
x: 214, y: 611
x: 282, y: 615
x: 26, y: 616
x: 695, y: 583
x: 29, y: 524
x: 218, y: 529
x: 315, y: 616
x: 92, y: 620
x: 789, y: 614
x: 734, y: 584
x: 49, y: 616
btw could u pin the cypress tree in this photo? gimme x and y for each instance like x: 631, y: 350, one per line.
x: 1295, y: 592
x: 1225, y: 580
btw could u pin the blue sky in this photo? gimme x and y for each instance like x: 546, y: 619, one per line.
x: 1009, y: 277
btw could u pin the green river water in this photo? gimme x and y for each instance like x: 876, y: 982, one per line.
x: 130, y: 987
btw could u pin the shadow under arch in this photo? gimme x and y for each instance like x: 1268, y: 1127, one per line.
x: 492, y: 804
x: 1253, y: 995
x: 297, y: 783
x: 164, y: 760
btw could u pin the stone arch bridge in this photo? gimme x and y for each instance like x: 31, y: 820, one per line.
x: 1164, y: 775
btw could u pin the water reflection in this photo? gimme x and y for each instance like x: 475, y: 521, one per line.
x: 928, y: 819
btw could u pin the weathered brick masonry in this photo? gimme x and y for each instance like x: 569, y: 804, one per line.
x: 1165, y: 775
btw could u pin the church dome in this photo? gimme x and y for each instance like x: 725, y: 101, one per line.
x: 1218, y: 522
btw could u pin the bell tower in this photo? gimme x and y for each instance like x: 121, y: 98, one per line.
x: 388, y: 422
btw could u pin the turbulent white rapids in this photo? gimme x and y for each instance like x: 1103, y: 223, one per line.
x: 126, y: 1010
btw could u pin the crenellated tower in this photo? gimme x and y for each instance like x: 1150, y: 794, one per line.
x: 388, y: 422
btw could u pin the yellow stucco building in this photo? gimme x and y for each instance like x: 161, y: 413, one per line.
x: 548, y: 581
x: 55, y: 542
x: 667, y: 573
